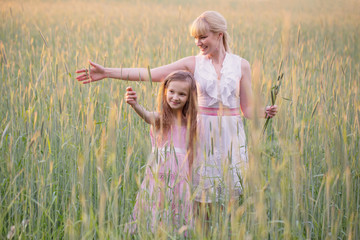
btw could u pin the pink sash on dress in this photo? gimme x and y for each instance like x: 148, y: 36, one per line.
x: 219, y: 111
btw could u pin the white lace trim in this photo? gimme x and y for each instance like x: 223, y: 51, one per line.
x: 164, y: 150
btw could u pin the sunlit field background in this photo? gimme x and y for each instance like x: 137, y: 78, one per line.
x: 72, y: 156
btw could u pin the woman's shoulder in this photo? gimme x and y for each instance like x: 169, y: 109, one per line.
x: 243, y: 62
x: 236, y: 57
x: 245, y: 65
x: 245, y: 69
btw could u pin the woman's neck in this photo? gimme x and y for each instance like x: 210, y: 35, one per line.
x: 218, y: 56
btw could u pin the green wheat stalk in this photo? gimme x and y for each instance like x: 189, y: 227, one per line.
x: 274, y: 92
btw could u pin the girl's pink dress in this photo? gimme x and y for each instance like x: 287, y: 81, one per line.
x: 164, y: 195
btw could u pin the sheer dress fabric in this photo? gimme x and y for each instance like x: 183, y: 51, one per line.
x: 164, y: 194
x: 222, y: 159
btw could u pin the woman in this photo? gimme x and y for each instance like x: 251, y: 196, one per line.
x: 224, y: 89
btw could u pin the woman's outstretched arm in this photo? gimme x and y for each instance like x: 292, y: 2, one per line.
x: 98, y: 72
x: 247, y: 97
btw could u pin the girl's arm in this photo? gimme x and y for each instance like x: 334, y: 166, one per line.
x: 247, y: 97
x: 131, y: 98
x: 98, y: 72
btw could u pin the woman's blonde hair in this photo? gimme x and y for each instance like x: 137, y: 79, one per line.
x: 211, y: 21
x: 189, y: 111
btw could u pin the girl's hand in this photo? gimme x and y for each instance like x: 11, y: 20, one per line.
x: 97, y: 72
x: 270, y: 111
x: 130, y: 96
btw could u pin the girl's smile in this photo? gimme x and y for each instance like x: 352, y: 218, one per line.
x: 177, y: 95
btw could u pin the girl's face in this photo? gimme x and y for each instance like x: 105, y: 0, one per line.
x: 209, y: 42
x: 177, y: 94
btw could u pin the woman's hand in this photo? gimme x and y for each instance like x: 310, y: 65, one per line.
x: 130, y: 96
x: 270, y: 111
x: 97, y: 72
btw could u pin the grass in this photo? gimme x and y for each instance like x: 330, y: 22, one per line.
x: 72, y: 156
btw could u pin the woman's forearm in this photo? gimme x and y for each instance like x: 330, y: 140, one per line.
x: 157, y: 74
x: 251, y: 112
x: 131, y: 74
x: 260, y: 112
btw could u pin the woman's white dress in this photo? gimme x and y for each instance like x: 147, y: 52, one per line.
x: 222, y: 158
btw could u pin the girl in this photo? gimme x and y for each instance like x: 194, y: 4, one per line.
x: 165, y: 192
x: 224, y: 94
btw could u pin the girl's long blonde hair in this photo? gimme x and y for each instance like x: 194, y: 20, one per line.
x: 189, y: 111
x: 211, y: 21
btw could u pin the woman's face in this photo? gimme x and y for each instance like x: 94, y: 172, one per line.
x: 209, y: 42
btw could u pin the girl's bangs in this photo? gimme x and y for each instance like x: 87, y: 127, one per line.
x: 199, y: 27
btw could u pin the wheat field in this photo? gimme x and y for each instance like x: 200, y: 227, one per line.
x: 72, y: 156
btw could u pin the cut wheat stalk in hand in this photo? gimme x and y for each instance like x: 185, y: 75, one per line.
x: 274, y: 92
